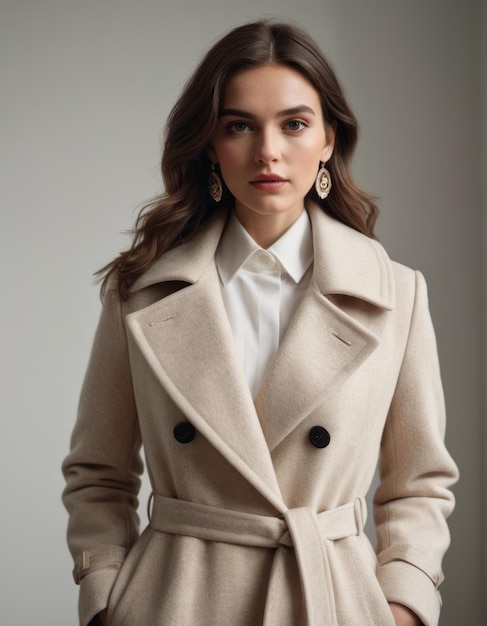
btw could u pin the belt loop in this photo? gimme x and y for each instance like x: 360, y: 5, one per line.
x: 150, y: 503
x: 360, y: 513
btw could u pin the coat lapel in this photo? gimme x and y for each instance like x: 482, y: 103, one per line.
x: 324, y: 344
x: 188, y: 341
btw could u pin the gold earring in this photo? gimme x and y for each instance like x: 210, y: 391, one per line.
x: 215, y: 187
x: 323, y: 182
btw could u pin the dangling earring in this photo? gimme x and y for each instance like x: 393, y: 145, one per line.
x: 215, y: 187
x: 323, y: 182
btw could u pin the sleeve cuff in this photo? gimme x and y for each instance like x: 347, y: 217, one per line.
x: 405, y: 584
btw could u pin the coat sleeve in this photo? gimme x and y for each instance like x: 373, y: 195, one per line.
x: 103, y: 468
x: 413, y: 499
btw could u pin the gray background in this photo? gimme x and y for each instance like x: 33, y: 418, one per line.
x: 85, y: 89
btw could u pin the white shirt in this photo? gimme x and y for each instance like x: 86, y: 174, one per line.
x: 262, y: 289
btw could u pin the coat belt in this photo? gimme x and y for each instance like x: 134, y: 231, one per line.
x: 308, y: 532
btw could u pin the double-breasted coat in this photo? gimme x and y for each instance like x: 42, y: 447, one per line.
x: 258, y: 508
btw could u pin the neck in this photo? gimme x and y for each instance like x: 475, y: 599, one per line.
x: 266, y: 229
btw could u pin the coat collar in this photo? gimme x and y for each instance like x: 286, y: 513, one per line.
x: 188, y: 261
x: 346, y: 262
x: 349, y: 263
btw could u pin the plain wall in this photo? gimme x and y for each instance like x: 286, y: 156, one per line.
x: 85, y: 89
x: 484, y: 279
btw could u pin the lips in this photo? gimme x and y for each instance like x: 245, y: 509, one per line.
x: 263, y: 178
x: 268, y: 182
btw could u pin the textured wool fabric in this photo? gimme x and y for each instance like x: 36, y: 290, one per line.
x: 355, y: 380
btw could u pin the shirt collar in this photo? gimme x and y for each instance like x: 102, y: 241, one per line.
x: 294, y: 250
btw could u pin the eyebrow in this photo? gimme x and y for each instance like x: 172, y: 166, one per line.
x: 302, y: 108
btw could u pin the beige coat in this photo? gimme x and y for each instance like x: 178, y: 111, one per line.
x: 253, y: 522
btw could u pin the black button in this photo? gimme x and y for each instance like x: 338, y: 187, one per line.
x: 319, y: 437
x: 184, y: 432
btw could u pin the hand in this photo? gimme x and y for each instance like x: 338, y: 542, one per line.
x: 102, y: 617
x: 403, y: 616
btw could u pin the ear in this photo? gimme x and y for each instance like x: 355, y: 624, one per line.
x: 330, y: 133
x: 212, y: 154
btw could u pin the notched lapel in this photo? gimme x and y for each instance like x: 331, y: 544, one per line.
x: 322, y: 346
x: 188, y: 342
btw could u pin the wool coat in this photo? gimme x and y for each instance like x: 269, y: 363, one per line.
x: 258, y: 504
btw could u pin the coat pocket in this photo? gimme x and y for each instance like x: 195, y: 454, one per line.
x: 358, y: 595
x: 127, y: 593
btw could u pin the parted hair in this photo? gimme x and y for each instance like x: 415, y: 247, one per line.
x: 185, y: 204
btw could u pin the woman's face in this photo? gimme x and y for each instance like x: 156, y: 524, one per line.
x: 269, y: 141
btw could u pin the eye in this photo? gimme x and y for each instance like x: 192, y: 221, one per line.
x: 296, y: 125
x: 238, y: 127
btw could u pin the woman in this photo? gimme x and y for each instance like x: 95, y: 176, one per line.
x: 266, y: 351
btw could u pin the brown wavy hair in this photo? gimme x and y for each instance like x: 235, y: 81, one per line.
x: 177, y: 214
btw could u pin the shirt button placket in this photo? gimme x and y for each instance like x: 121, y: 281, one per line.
x: 269, y: 309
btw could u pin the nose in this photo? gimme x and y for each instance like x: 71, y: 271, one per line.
x: 267, y: 147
